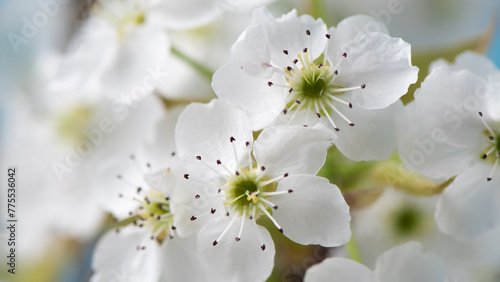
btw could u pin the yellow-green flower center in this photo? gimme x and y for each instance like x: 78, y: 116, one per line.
x: 246, y: 190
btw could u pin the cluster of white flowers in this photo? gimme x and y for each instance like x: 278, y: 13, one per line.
x: 197, y: 178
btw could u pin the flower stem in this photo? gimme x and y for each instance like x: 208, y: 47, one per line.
x: 203, y: 70
x: 393, y: 173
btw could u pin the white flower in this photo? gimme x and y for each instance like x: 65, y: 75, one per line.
x: 124, y: 42
x: 397, y: 218
x: 237, y: 186
x: 154, y: 236
x: 294, y: 70
x: 456, y: 131
x: 403, y: 263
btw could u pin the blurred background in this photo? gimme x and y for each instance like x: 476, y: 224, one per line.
x: 60, y: 221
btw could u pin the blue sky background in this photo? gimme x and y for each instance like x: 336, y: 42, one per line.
x: 494, y: 50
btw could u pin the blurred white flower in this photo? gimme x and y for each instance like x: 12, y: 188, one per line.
x: 403, y: 263
x: 148, y: 197
x: 397, y: 218
x: 292, y: 70
x: 124, y: 42
x: 456, y: 131
x: 215, y: 141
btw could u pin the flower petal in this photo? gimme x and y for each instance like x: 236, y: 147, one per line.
x: 206, y: 131
x: 183, y: 261
x: 351, y: 28
x: 251, y: 52
x: 429, y: 155
x: 186, y: 14
x: 249, y: 93
x: 292, y: 149
x: 236, y: 261
x: 381, y: 63
x: 375, y: 134
x: 450, y: 101
x: 469, y: 206
x: 136, y: 69
x: 342, y: 269
x: 116, y: 257
x: 289, y: 33
x: 314, y: 213
x: 408, y: 263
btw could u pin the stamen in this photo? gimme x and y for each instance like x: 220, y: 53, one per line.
x: 487, y: 153
x: 494, y: 168
x: 339, y: 100
x: 254, y: 210
x: 269, y: 203
x: 136, y: 164
x: 261, y: 206
x: 262, y: 184
x: 232, y: 140
x: 346, y: 89
x: 339, y: 113
x: 486, y: 125
x: 238, y: 238
x: 276, y: 193
x: 211, y: 168
x: 329, y: 117
x: 225, y: 230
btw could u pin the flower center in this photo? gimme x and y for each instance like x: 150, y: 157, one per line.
x: 245, y: 191
x: 124, y: 16
x: 493, y: 148
x: 153, y: 213
x: 407, y: 221
x: 311, y: 87
x: 72, y: 124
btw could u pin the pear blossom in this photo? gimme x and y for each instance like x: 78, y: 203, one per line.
x: 293, y: 70
x: 241, y: 180
x: 396, y: 218
x: 152, y: 238
x: 456, y: 131
x: 124, y: 42
x: 402, y: 263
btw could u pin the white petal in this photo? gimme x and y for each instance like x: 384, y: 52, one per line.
x: 205, y: 130
x: 450, y: 101
x: 135, y: 69
x: 184, y: 83
x: 292, y: 149
x: 339, y: 269
x: 469, y: 206
x: 380, y: 62
x: 314, y: 213
x: 408, y: 263
x: 237, y: 261
x: 350, y: 28
x: 249, y: 93
x: 183, y: 261
x: 92, y: 50
x: 375, y: 134
x: 251, y: 52
x: 116, y: 257
x: 429, y: 155
x: 475, y: 62
x: 185, y: 14
x: 289, y: 33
